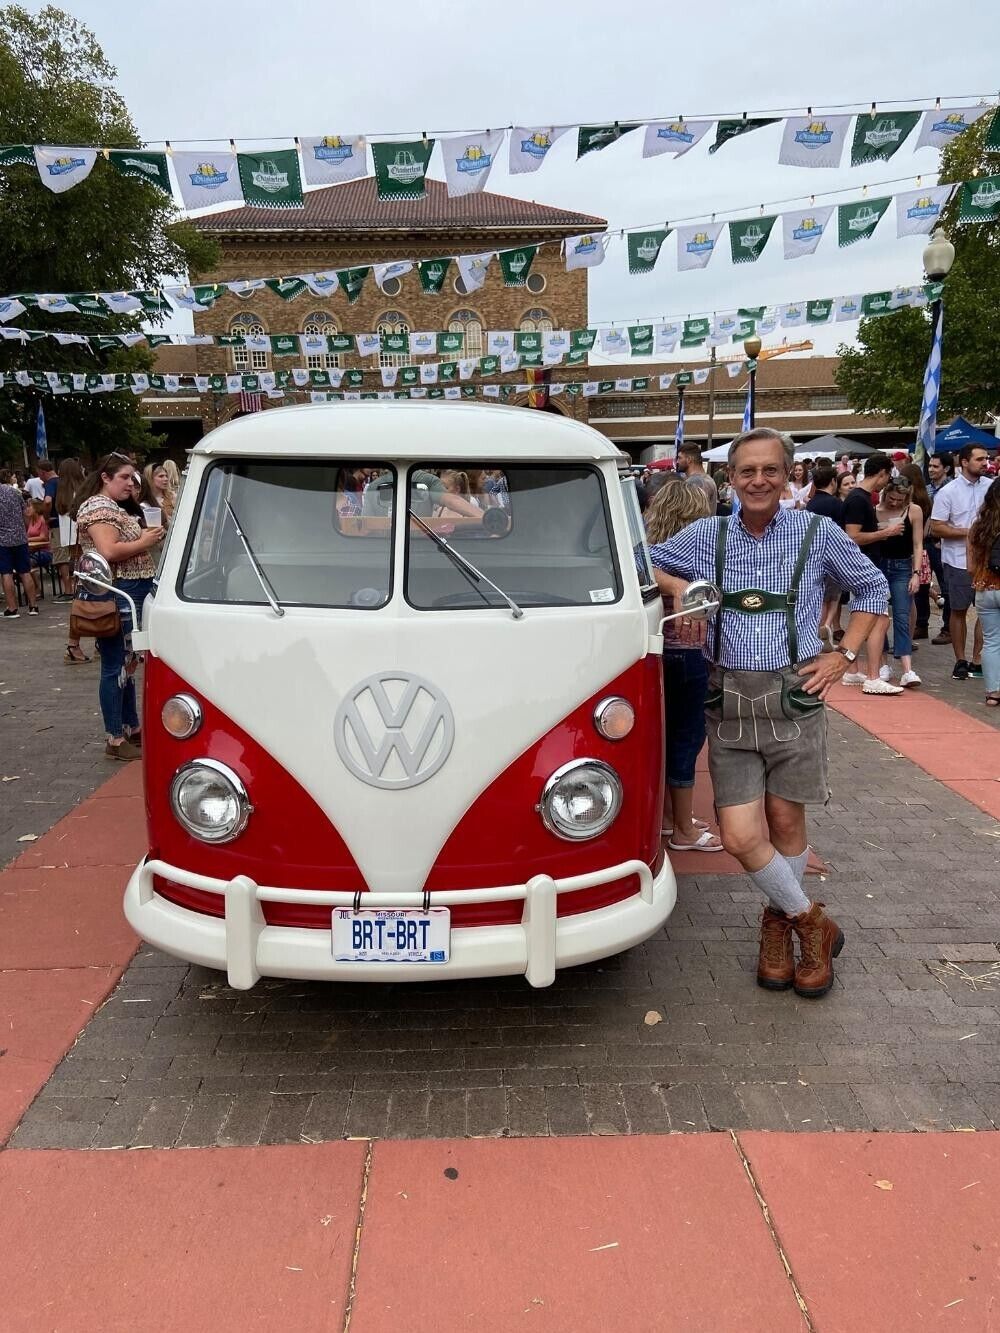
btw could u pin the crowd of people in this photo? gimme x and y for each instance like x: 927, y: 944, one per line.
x: 49, y: 519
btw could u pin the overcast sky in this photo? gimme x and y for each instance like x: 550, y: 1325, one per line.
x: 257, y: 72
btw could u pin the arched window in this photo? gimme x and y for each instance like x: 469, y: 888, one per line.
x: 320, y: 322
x: 469, y: 323
x: 393, y: 322
x: 245, y: 358
x: 537, y: 321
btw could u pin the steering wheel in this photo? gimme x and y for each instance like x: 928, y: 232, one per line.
x: 522, y: 598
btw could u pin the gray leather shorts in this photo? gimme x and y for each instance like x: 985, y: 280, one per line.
x: 764, y: 735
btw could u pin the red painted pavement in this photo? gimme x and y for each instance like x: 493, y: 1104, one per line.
x: 887, y: 1231
x: 218, y: 1238
x: 960, y: 751
x: 567, y: 1234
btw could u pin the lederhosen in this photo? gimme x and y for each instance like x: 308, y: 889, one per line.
x: 766, y: 713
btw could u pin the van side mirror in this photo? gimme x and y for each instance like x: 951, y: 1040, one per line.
x: 701, y: 600
x: 93, y: 570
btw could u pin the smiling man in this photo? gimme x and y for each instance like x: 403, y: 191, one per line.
x: 765, y: 711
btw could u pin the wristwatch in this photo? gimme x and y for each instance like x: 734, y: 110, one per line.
x: 846, y: 652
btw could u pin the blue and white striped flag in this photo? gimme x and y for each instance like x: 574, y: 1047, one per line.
x: 927, y: 430
x: 679, y: 432
x: 746, y: 408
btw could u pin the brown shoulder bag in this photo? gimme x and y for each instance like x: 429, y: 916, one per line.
x: 94, y: 619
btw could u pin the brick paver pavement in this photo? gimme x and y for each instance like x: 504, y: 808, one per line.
x: 905, y: 1040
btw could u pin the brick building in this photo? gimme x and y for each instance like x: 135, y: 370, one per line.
x: 344, y: 226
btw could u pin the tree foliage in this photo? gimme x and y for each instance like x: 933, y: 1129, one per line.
x: 885, y: 372
x: 108, y: 233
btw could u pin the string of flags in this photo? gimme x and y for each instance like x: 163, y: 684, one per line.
x: 278, y: 384
x: 541, y: 348
x: 918, y: 212
x: 276, y: 178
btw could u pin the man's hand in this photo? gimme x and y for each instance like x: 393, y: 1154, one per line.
x: 823, y: 673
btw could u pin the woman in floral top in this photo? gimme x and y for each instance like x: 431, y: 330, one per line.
x: 104, y: 527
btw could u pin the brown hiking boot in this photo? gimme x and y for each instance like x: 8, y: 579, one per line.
x: 820, y: 941
x: 776, y: 962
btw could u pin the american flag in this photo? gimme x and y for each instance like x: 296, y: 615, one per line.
x: 249, y: 402
x: 927, y: 429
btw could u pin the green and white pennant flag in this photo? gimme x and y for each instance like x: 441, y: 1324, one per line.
x: 803, y: 230
x: 992, y: 141
x: 17, y: 154
x: 331, y: 159
x: 582, y: 340
x: 450, y: 344
x: 940, y: 128
x: 352, y: 281
x: 696, y: 244
x: 979, y: 200
x: 640, y: 337
x: 271, y: 180
x: 207, y: 178
x: 819, y: 311
x: 59, y: 169
x: 586, y: 251
x: 725, y: 130
x: 918, y: 212
x: 140, y: 165
x: 673, y: 136
x: 592, y: 138
x: 814, y: 141
x: 287, y: 288
x: 401, y: 168
x: 284, y: 344
x: 432, y: 275
x: 515, y: 265
x: 468, y: 161
x: 748, y: 237
x: 857, y: 221
x: 876, y: 303
x: 529, y: 147
x: 644, y: 249
x: 878, y: 137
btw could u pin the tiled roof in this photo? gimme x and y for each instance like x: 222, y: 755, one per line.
x: 355, y: 207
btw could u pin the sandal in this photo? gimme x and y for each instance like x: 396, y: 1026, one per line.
x: 993, y: 700
x: 71, y: 658
x: 705, y: 842
x: 669, y: 833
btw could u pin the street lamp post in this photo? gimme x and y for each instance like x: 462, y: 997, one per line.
x: 751, y: 346
x: 939, y: 255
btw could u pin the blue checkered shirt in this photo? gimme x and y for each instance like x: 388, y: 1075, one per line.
x: 759, y: 642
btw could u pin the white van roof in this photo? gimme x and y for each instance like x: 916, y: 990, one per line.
x: 419, y: 430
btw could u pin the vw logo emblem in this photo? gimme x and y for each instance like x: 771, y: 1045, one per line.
x: 394, y: 730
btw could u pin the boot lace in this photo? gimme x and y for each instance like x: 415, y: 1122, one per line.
x: 811, y: 946
x: 774, y: 941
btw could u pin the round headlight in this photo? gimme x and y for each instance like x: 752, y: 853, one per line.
x: 181, y: 716
x: 210, y: 801
x: 581, y: 799
x: 614, y: 718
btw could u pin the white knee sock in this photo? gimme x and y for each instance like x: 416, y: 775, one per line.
x: 798, y: 864
x: 778, y: 883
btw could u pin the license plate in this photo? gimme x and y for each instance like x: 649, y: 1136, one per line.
x: 391, y: 935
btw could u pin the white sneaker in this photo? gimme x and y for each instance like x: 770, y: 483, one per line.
x: 885, y: 672
x: 853, y: 678
x: 880, y: 687
x: 910, y: 678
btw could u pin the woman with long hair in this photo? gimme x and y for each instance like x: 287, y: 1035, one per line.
x: 70, y: 479
x: 922, y: 600
x: 105, y: 527
x: 685, y: 680
x: 901, y: 560
x: 983, y: 545
x: 800, y: 484
x: 160, y: 492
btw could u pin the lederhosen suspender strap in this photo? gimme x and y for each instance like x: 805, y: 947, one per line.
x: 752, y: 601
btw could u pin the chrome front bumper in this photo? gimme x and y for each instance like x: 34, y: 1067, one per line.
x: 244, y: 946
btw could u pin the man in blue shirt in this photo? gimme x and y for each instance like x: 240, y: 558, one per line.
x: 765, y: 713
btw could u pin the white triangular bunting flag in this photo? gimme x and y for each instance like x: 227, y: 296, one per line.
x: 368, y: 344
x: 10, y: 309
x: 499, y: 341
x: 473, y: 269
x: 586, y: 251
x: 390, y: 374
x: 696, y: 244
x: 300, y: 378
x: 666, y: 381
x: 332, y: 159
x: 939, y: 128
x: 530, y: 147
x: 59, y: 169
x: 803, y: 229
x: 734, y: 368
x: 397, y: 269
x: 814, y: 141
x: 673, y: 136
x: 207, y: 178
x: 468, y: 161
x: 918, y: 212
x: 848, y: 307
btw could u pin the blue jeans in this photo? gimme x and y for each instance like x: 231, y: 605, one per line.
x: 685, y: 684
x: 988, y: 610
x: 899, y: 573
x: 117, y: 687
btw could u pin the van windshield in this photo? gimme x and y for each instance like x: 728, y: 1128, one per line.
x: 541, y: 532
x: 301, y: 518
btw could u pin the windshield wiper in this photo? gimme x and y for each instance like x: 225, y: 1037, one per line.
x: 466, y: 566
x: 262, y: 578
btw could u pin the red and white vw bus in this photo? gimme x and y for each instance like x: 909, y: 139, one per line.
x: 403, y: 700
